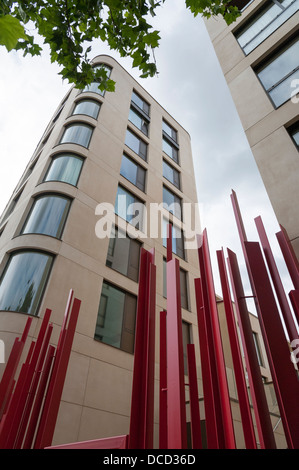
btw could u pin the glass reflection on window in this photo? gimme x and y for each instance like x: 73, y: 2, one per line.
x: 23, y: 281
x: 47, y: 216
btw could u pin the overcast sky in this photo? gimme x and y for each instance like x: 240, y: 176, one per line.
x: 191, y: 87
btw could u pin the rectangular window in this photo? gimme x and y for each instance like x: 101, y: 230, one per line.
x: 169, y: 130
x: 257, y: 348
x: 133, y: 172
x: 172, y: 203
x: 279, y: 72
x: 116, y: 318
x: 170, y: 149
x: 294, y: 133
x: 130, y: 207
x: 123, y: 254
x: 138, y: 120
x: 183, y: 286
x: 264, y: 22
x: 177, y: 238
x: 136, y: 144
x: 186, y: 340
x: 171, y: 174
x: 138, y: 101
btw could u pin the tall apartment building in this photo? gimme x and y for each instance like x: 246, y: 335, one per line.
x: 114, y: 148
x: 98, y: 151
x: 259, y: 56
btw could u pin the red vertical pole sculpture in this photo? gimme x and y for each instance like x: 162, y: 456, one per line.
x: 163, y: 383
x: 245, y: 411
x: 53, y: 396
x: 208, y: 369
x: 280, y: 292
x: 32, y: 425
x: 283, y: 373
x: 206, y: 270
x: 194, y: 403
x: 294, y: 296
x: 7, y: 381
x: 142, y: 403
x: 176, y: 408
x: 261, y: 411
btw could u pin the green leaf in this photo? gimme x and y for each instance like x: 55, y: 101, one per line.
x: 11, y: 31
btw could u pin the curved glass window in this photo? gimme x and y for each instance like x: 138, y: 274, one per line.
x: 47, y: 216
x: 24, y: 280
x: 77, y: 134
x: 88, y: 107
x: 94, y: 86
x: 65, y: 168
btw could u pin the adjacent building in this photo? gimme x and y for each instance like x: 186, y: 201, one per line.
x: 101, y: 153
x: 259, y: 56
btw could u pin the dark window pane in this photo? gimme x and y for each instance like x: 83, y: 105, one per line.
x: 47, y: 216
x: 136, y: 144
x: 130, y: 208
x: 23, y: 281
x: 138, y: 121
x: 140, y: 103
x: 171, y: 174
x: 177, y: 239
x: 170, y: 150
x: 116, y: 318
x: 65, y: 168
x: 186, y: 340
x: 169, y: 130
x: 123, y: 254
x: 184, y: 289
x: 172, y: 202
x: 133, y: 172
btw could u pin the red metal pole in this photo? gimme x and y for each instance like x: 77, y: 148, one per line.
x: 279, y: 289
x: 163, y: 383
x: 244, y: 404
x: 283, y: 373
x: 7, y: 381
x: 289, y: 255
x: 294, y: 296
x: 142, y: 402
x: 260, y: 406
x: 33, y: 422
x: 169, y: 243
x: 176, y: 408
x: 207, y: 371
x: 52, y: 400
x: 229, y: 437
x: 194, y: 402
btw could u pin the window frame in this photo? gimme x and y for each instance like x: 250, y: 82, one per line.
x: 45, y: 279
x: 177, y: 200
x: 256, y: 16
x: 132, y: 241
x: 141, y: 155
x: 269, y: 60
x: 178, y: 185
x: 98, y: 91
x: 78, y: 124
x: 137, y: 200
x: 82, y: 100
x: 138, y: 167
x: 126, y: 294
x: 62, y: 222
x: 138, y: 108
x: 290, y: 130
x: 61, y: 155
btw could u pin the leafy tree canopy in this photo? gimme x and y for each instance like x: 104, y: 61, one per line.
x: 69, y: 26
